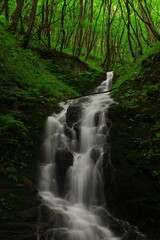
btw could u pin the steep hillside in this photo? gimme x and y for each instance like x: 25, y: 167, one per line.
x: 135, y: 148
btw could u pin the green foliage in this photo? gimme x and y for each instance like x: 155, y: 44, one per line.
x: 25, y: 84
x: 138, y: 92
x: 31, y: 87
x: 27, y: 68
x: 129, y: 99
x: 94, y: 65
x: 158, y: 135
x: 132, y: 70
x: 156, y: 175
x: 106, y: 31
x: 4, y: 205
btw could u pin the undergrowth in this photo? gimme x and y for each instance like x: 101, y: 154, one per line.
x: 132, y: 70
x: 138, y: 93
x: 31, y: 88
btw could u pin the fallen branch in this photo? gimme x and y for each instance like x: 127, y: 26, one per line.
x: 90, y: 94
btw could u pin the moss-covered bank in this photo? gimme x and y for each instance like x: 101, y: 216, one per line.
x: 135, y: 148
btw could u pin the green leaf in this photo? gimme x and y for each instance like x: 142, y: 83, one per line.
x: 158, y: 134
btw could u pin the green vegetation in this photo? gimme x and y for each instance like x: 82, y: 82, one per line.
x: 111, y: 33
x: 131, y: 71
x: 140, y: 94
x: 53, y: 50
x: 135, y: 143
x: 31, y: 88
x: 32, y: 83
x: 26, y: 84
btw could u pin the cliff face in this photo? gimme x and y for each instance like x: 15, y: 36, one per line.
x: 135, y: 150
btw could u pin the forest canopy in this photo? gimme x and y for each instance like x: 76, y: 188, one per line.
x: 112, y: 32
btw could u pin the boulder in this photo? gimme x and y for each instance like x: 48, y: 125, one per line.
x: 117, y: 228
x: 95, y: 153
x: 74, y: 113
x: 64, y: 159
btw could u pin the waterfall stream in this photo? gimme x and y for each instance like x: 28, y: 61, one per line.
x: 72, y: 182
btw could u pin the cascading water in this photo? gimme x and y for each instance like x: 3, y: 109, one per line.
x: 71, y: 183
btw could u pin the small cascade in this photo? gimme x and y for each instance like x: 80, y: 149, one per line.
x: 71, y: 182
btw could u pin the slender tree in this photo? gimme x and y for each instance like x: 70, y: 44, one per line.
x: 5, y: 8
x: 31, y: 23
x: 16, y: 16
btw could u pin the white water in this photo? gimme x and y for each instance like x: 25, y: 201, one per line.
x: 82, y: 205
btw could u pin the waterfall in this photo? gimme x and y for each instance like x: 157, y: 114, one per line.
x: 71, y: 184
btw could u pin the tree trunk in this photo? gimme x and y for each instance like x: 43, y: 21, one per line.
x: 89, y: 32
x: 5, y: 8
x: 47, y: 24
x: 146, y: 19
x: 79, y: 34
x: 102, y: 34
x: 108, y: 56
x: 16, y: 16
x: 62, y: 25
x: 92, y: 42
x: 128, y: 29
x: 31, y: 23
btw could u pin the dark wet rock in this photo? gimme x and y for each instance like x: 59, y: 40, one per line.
x: 21, y: 225
x: 74, y: 113
x: 68, y: 132
x: 21, y: 236
x: 61, y: 234
x: 109, y: 173
x: 104, y: 215
x: 114, y: 113
x: 27, y: 182
x: 56, y: 234
x: 33, y: 202
x: 97, y: 118
x: 95, y: 153
x: 19, y: 231
x: 73, y: 119
x: 52, y: 224
x: 109, y: 124
x: 117, y: 228
x: 45, y: 212
x: 74, y: 132
x: 64, y: 159
x: 30, y: 214
x: 77, y: 130
x: 108, y: 170
x: 106, y: 158
x: 103, y: 129
x: 133, y: 235
x: 25, y: 236
x: 50, y: 219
